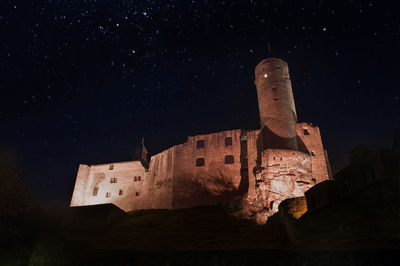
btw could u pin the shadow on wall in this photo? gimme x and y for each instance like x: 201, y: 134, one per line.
x: 206, y: 190
x: 275, y: 142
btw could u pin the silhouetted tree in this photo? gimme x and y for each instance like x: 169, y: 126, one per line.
x: 13, y: 195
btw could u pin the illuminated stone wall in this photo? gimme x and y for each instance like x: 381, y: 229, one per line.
x: 215, y: 181
x: 283, y: 174
x: 311, y: 137
x: 108, y: 183
x: 157, y: 192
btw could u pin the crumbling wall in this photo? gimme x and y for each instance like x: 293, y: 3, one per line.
x: 282, y: 174
x: 311, y: 137
x: 213, y: 182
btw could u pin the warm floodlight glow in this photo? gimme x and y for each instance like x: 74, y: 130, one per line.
x: 265, y: 75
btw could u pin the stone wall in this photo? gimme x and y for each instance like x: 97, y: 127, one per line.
x: 78, y: 195
x: 252, y: 160
x: 310, y: 136
x: 157, y: 190
x: 108, y: 183
x: 283, y: 174
x: 215, y: 181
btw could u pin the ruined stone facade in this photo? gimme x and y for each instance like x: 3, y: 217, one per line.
x: 256, y: 169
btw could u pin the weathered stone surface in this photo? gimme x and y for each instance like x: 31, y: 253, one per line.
x: 283, y: 174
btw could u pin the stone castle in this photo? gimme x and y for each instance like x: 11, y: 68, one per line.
x: 255, y: 168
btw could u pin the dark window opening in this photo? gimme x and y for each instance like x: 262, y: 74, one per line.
x: 306, y: 132
x: 135, y: 179
x: 121, y: 192
x: 137, y: 194
x: 275, y: 98
x: 228, y: 141
x: 95, y: 190
x: 229, y: 159
x: 139, y: 178
x: 200, y: 144
x: 113, y: 180
x: 271, y: 205
x: 200, y: 162
x: 111, y: 167
x: 108, y: 194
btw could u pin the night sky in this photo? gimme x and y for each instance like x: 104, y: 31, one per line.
x: 84, y: 81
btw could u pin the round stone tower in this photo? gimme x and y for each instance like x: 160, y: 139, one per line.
x: 276, y: 104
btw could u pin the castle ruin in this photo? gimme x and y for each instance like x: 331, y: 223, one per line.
x: 255, y: 168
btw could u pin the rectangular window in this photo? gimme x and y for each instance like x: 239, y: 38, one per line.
x: 113, y: 180
x: 139, y: 178
x: 200, y: 144
x: 135, y: 179
x: 95, y: 190
x: 200, y: 162
x: 121, y: 192
x: 111, y: 167
x: 108, y: 194
x: 229, y: 159
x: 306, y: 132
x: 137, y: 194
x: 228, y: 141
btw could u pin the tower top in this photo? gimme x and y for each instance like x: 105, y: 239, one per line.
x: 270, y: 68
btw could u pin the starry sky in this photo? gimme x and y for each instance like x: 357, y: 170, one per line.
x: 82, y: 81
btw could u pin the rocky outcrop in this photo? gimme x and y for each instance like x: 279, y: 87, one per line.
x: 282, y: 174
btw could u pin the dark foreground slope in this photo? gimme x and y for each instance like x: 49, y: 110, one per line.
x: 368, y: 219
x: 206, y: 235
